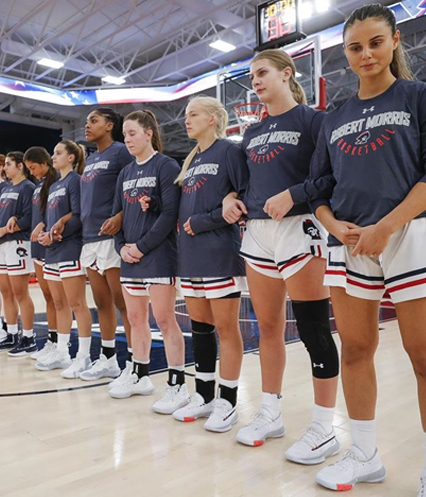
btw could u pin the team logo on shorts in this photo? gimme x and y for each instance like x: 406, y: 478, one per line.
x: 22, y: 252
x: 310, y: 229
x: 363, y: 138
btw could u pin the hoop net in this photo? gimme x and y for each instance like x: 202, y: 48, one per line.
x: 249, y: 113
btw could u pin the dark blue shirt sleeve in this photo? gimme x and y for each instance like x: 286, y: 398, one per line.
x: 422, y: 128
x: 238, y: 174
x: 74, y: 224
x: 167, y: 219
x: 119, y: 241
x: 318, y: 187
x: 24, y: 214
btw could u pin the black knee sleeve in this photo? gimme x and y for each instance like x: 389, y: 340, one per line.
x: 313, y: 324
x: 205, y: 347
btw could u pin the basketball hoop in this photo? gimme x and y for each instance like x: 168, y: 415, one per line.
x: 249, y: 113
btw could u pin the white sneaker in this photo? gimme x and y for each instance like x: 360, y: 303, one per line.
x: 196, y: 408
x: 132, y: 386
x: 174, y: 398
x: 102, y: 368
x: 57, y: 359
x: 39, y: 355
x: 422, y: 488
x: 127, y: 371
x: 314, y: 446
x: 353, y: 468
x: 79, y: 364
x: 264, y: 425
x: 3, y: 333
x: 223, y: 416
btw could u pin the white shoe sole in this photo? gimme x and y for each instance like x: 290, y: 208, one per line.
x: 260, y: 441
x: 224, y: 428
x: 164, y: 410
x: 110, y: 374
x: 376, y: 477
x: 127, y: 395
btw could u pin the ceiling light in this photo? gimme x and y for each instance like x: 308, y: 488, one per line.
x: 223, y: 46
x: 53, y: 64
x: 306, y: 10
x: 322, y: 5
x: 298, y: 74
x: 114, y: 80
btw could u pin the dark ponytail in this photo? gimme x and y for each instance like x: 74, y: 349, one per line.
x: 400, y: 63
x: 18, y: 158
x: 148, y: 121
x: 116, y: 119
x: 41, y: 156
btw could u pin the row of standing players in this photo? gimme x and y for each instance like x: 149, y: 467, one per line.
x: 360, y: 169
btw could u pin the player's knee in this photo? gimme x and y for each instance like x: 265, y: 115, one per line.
x: 313, y: 324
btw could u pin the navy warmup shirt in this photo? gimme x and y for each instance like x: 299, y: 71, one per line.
x: 214, y: 250
x: 64, y: 197
x: 98, y: 188
x: 153, y: 231
x: 370, y: 154
x: 279, y: 151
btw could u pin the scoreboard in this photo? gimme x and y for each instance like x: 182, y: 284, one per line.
x: 278, y: 23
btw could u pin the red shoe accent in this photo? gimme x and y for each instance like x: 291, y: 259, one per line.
x: 258, y: 443
x: 189, y: 419
x: 342, y: 488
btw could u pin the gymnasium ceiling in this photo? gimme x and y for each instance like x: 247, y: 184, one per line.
x: 149, y: 42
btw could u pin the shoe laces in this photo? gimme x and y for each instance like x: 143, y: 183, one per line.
x: 262, y: 417
x: 130, y: 380
x: 196, y: 401
x: 348, y: 460
x: 312, y: 437
x: 221, y: 406
x: 97, y: 365
x: 170, y: 392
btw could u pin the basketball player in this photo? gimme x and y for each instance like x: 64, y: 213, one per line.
x: 16, y: 264
x: 99, y: 178
x: 147, y: 245
x: 39, y: 162
x: 372, y: 155
x: 63, y: 270
x: 285, y: 256
x: 210, y: 268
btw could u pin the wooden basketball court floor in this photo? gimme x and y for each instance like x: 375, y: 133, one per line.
x: 75, y: 441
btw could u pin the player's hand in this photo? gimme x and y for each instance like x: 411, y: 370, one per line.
x: 56, y: 231
x: 36, y: 231
x: 44, y: 239
x: 372, y: 240
x: 134, y: 251
x: 145, y: 202
x: 277, y: 206
x: 187, y: 227
x: 112, y: 225
x: 12, y: 225
x: 343, y: 231
x: 124, y: 253
x: 232, y: 209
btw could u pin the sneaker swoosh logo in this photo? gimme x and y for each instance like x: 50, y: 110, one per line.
x: 322, y: 445
x: 229, y: 415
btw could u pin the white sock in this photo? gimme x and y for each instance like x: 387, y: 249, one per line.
x: 108, y: 343
x: 228, y: 383
x: 364, y: 436
x: 178, y: 368
x: 323, y: 416
x: 205, y: 376
x: 84, y: 346
x: 272, y: 401
x: 27, y: 333
x: 63, y: 340
x: 12, y: 329
x: 424, y: 447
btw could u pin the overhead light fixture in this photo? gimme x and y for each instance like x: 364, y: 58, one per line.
x: 223, y: 46
x: 53, y: 64
x: 306, y: 10
x: 298, y: 74
x: 322, y: 5
x: 114, y: 80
